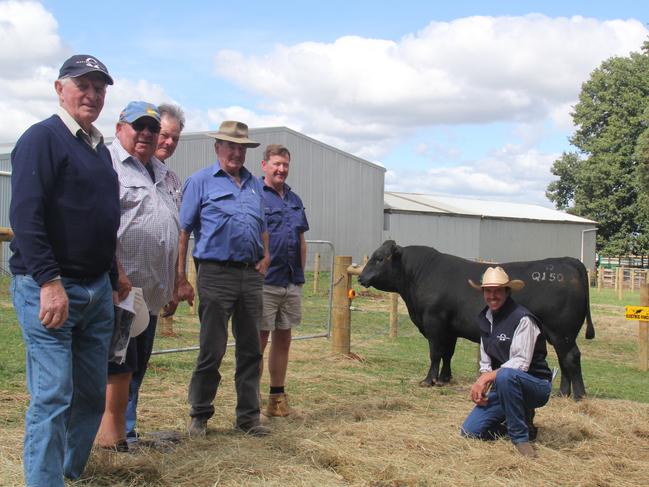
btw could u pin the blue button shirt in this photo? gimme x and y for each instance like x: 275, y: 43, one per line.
x: 227, y: 219
x: 286, y: 221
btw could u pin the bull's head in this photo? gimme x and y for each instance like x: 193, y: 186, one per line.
x: 382, y: 270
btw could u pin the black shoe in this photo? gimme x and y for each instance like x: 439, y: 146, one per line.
x: 254, y: 429
x: 197, y: 428
x: 120, y: 447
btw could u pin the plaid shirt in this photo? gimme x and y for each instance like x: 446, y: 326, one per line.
x: 147, y: 244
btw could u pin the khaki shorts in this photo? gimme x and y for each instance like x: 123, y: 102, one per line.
x: 282, y: 307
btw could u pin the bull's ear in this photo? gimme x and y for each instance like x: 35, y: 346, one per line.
x: 395, y: 250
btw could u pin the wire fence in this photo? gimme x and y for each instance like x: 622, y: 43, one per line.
x: 316, y: 307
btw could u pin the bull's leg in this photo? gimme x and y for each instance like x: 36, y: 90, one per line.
x: 571, y: 377
x: 573, y: 360
x: 564, y: 388
x: 433, y: 371
x: 449, y: 349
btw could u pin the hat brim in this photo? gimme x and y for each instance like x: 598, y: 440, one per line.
x: 249, y: 143
x: 514, y: 285
x: 141, y: 320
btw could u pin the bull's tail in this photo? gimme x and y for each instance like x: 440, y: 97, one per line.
x: 590, y: 329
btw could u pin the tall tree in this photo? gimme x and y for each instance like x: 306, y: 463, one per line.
x: 603, y: 179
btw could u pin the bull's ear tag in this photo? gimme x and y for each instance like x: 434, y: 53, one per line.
x: 389, y: 257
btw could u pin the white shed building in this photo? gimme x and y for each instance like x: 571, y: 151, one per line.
x: 487, y: 230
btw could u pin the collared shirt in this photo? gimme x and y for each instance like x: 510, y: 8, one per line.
x: 286, y: 221
x: 93, y: 139
x: 521, y: 350
x: 147, y: 245
x: 175, y: 186
x: 227, y: 219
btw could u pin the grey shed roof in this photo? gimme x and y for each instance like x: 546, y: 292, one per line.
x: 451, y: 205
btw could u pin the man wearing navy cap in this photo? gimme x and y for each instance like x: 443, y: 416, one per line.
x: 147, y: 249
x: 65, y: 214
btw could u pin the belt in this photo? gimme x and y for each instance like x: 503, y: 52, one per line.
x: 232, y: 263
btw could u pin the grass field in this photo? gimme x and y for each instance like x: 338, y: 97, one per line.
x: 366, y: 421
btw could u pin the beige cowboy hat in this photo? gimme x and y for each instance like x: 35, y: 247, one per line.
x: 233, y: 131
x: 497, y: 277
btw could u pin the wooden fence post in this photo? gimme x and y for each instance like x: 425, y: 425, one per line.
x: 600, y: 278
x: 341, y: 316
x: 394, y: 314
x: 316, y: 272
x: 643, y: 331
x: 620, y: 283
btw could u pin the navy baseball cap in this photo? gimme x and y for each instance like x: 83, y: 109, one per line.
x: 81, y: 64
x: 139, y: 109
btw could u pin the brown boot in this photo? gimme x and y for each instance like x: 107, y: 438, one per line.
x: 278, y: 405
x: 526, y: 449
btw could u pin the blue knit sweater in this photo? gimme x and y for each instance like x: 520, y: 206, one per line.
x: 64, y: 205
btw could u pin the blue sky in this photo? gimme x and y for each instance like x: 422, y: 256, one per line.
x: 468, y: 98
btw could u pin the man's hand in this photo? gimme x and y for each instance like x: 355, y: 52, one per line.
x: 170, y: 308
x: 263, y: 264
x: 54, y: 305
x: 185, y: 291
x: 124, y: 285
x: 480, y: 388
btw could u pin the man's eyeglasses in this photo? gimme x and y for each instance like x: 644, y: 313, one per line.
x: 140, y: 125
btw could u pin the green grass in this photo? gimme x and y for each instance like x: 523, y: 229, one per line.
x: 609, y: 362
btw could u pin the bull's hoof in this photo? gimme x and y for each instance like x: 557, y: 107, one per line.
x: 426, y: 383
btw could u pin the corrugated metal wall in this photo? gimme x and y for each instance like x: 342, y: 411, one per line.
x: 455, y: 235
x: 5, y: 198
x: 343, y: 194
x: 496, y: 240
x: 507, y: 240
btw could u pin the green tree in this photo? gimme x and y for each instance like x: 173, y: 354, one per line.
x: 604, y: 179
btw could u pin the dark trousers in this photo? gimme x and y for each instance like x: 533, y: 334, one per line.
x: 144, y: 344
x: 226, y: 292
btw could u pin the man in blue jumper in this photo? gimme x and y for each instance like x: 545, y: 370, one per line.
x: 514, y: 375
x: 65, y: 214
x: 287, y: 223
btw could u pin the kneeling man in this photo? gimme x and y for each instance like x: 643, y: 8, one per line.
x: 514, y: 375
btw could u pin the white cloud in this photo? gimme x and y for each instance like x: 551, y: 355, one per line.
x: 30, y: 57
x: 470, y: 70
x: 510, y: 173
x: 29, y: 39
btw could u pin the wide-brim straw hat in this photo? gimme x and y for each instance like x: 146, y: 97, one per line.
x: 233, y: 131
x: 497, y: 277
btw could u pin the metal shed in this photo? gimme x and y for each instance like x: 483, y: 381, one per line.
x: 487, y: 230
x: 329, y: 181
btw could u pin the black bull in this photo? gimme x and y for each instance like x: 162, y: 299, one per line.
x: 444, y: 307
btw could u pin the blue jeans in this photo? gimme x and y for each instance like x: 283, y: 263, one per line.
x: 66, y: 377
x: 513, y: 393
x: 144, y: 347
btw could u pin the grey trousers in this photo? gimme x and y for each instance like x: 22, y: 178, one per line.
x: 226, y: 292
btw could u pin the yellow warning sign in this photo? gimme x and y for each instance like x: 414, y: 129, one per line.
x: 637, y: 313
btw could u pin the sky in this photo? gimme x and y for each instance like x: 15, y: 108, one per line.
x: 462, y: 98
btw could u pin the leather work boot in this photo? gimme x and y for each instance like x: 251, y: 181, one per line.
x: 278, y: 405
x: 197, y: 428
x: 526, y: 449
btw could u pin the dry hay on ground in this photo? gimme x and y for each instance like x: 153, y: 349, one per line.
x: 398, y: 437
